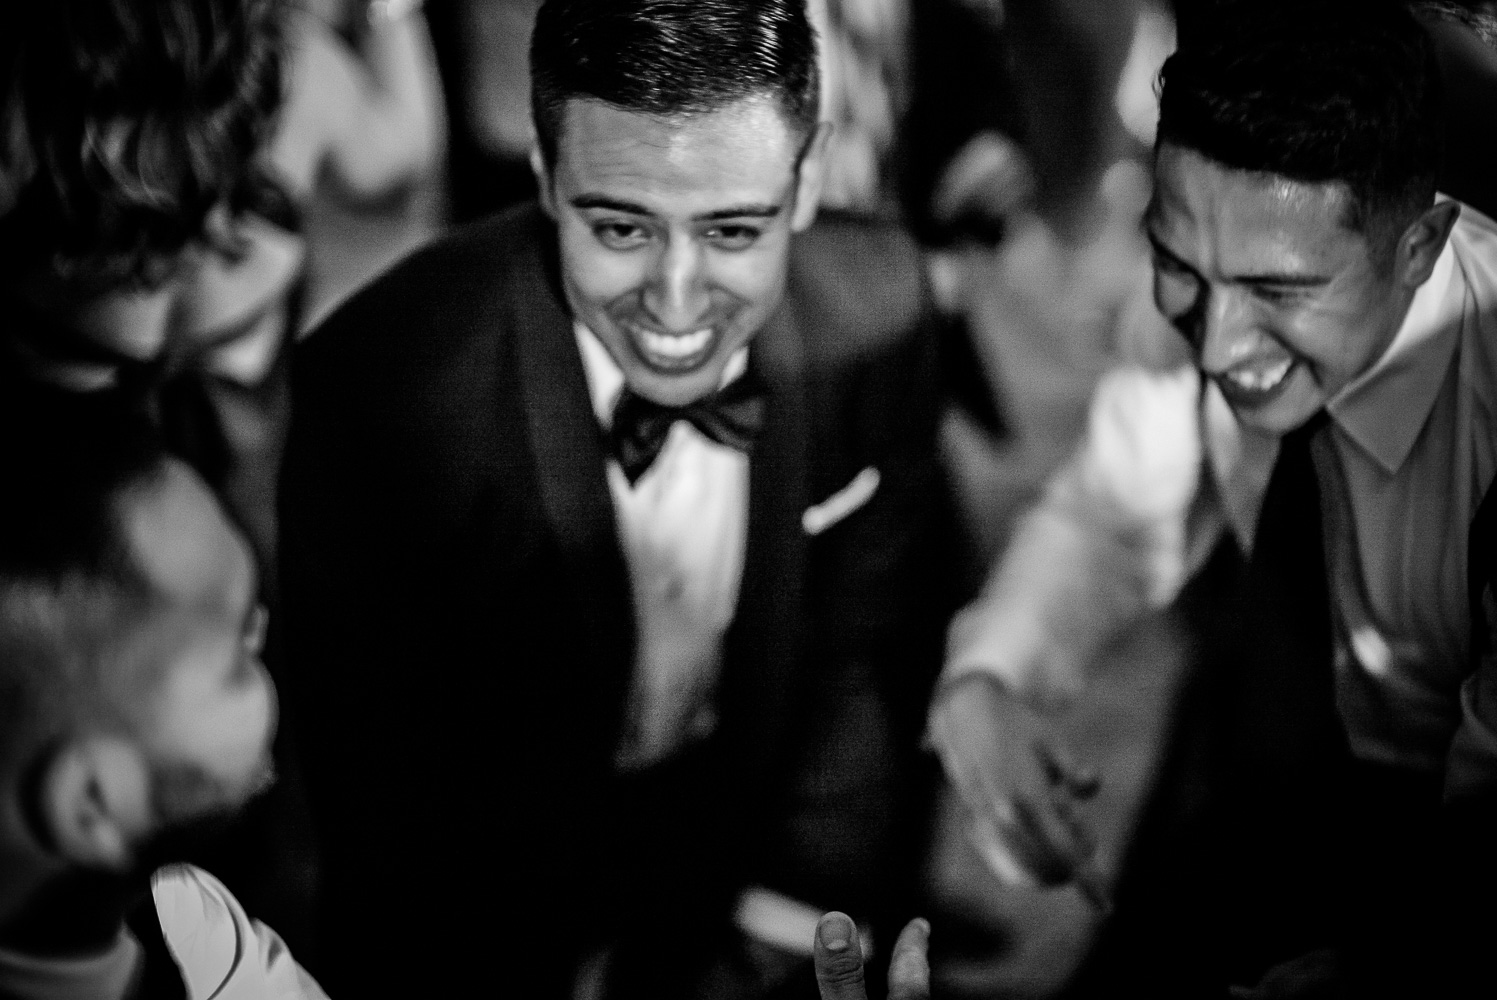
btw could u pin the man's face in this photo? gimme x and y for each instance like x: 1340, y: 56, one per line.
x: 209, y: 712
x: 675, y: 234
x: 1283, y: 304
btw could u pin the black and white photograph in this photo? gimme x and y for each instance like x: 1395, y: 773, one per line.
x: 748, y: 499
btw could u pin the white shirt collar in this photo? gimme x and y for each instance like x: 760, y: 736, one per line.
x: 605, y: 380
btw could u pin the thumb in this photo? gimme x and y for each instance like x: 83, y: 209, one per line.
x: 909, y: 969
x: 838, y: 959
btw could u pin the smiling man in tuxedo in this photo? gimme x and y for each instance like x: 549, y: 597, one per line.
x: 610, y: 528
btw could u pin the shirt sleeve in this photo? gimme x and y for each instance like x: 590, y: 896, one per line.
x: 1105, y: 544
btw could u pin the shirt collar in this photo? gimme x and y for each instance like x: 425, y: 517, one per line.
x: 605, y: 380
x: 106, y: 975
x: 1384, y: 409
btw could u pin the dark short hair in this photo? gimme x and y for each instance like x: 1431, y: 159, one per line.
x: 671, y: 57
x: 123, y: 123
x: 1314, y: 91
x: 68, y: 582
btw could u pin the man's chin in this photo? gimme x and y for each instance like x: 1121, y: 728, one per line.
x: 675, y: 388
x: 201, y: 833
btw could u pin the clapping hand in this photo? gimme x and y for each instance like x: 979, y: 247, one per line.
x: 839, y: 961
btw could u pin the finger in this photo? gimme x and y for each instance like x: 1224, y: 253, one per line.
x: 838, y: 958
x: 1063, y: 769
x: 1066, y: 808
x: 1044, y: 842
x: 909, y: 969
x: 1093, y: 886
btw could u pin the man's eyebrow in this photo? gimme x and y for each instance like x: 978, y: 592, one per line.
x: 1283, y: 280
x: 610, y: 204
x: 753, y: 211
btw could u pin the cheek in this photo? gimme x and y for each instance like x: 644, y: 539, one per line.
x: 232, y: 732
x: 756, y: 277
x: 594, y: 274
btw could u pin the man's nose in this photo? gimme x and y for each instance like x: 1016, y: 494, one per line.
x: 676, y: 294
x: 1229, y: 331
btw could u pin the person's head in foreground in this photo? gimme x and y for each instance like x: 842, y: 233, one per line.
x: 1294, y: 211
x: 128, y: 134
x: 134, y: 709
x: 678, y: 150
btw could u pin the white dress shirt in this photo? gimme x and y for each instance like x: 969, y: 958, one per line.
x: 683, y: 527
x: 1412, y: 451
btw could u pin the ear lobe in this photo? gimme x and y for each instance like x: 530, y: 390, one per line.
x: 1424, y: 240
x: 811, y: 177
x: 95, y: 802
x: 542, y: 181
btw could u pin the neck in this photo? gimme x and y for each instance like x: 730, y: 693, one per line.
x: 75, y: 914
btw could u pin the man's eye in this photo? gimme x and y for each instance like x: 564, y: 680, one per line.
x: 255, y: 629
x: 1275, y: 295
x: 620, y: 235
x: 733, y: 237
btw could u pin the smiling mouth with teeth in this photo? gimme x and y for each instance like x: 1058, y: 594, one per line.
x: 1258, y: 380
x: 673, y: 352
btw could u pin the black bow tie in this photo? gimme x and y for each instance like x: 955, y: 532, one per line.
x: 732, y: 416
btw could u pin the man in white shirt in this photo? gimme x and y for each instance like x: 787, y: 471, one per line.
x: 135, y: 716
x: 1309, y: 453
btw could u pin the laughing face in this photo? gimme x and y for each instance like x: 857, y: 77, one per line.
x: 1283, y: 303
x: 675, y: 233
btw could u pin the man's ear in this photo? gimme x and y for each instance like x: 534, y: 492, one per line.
x: 810, y: 177
x: 543, y: 186
x: 1423, y: 241
x: 95, y: 802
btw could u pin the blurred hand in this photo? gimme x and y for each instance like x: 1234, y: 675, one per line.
x: 839, y: 961
x: 1021, y: 784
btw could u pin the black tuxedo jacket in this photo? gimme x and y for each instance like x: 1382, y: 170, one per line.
x: 461, y: 630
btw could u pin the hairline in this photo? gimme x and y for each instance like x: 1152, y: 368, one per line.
x: 1380, y: 224
x: 798, y: 126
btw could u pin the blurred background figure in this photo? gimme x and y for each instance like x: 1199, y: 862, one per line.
x: 361, y: 139
x: 483, y: 49
x: 151, y: 245
x: 135, y: 715
x: 863, y: 46
x: 148, y: 243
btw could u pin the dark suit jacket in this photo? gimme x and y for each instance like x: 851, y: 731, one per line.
x: 462, y: 635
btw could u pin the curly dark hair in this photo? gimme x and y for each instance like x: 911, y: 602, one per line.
x: 1316, y: 91
x: 124, y: 123
x: 671, y: 57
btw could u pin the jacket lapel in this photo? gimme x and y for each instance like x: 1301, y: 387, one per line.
x: 569, y: 461
x: 765, y: 642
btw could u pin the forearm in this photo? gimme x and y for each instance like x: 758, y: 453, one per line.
x: 1105, y: 544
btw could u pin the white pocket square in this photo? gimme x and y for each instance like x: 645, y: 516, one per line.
x: 834, y: 508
